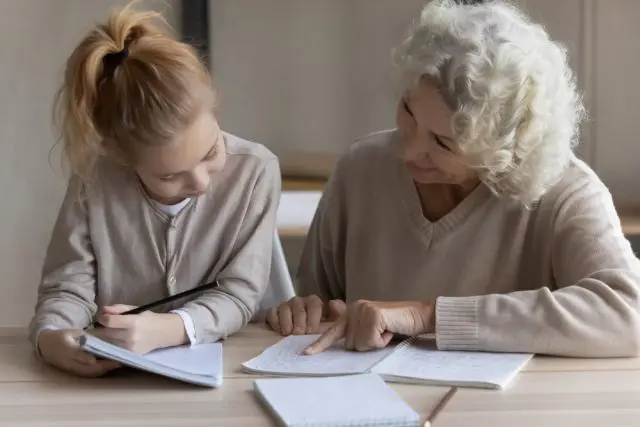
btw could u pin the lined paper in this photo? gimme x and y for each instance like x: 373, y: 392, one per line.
x: 418, y: 360
x: 285, y: 357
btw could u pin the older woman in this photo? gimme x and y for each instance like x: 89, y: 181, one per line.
x: 473, y: 219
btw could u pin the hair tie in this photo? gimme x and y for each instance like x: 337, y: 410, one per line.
x: 112, y: 60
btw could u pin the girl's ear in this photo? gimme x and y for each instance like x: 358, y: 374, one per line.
x: 114, y: 151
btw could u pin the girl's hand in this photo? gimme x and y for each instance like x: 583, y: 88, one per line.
x: 368, y: 325
x: 140, y: 333
x: 60, y: 349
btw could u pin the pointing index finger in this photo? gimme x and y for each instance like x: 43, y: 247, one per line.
x: 330, y: 336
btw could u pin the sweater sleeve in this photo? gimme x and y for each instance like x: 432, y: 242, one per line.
x: 223, y: 311
x: 320, y: 270
x: 594, y: 311
x: 66, y: 294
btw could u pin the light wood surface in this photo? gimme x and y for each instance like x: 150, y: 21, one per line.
x: 302, y: 184
x: 549, y: 392
x: 33, y: 394
x: 560, y: 398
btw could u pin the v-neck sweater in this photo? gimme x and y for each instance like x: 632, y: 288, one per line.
x: 559, y: 278
x: 119, y: 247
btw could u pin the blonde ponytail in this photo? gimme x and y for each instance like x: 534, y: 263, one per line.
x: 127, y: 83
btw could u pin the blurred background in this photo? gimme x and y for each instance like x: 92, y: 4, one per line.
x: 303, y: 77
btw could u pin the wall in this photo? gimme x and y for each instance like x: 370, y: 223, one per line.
x: 37, y: 37
x: 306, y: 77
x: 299, y: 75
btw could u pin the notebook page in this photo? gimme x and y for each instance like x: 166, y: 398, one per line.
x: 418, y: 359
x: 201, y: 359
x: 286, y: 358
x: 203, y: 366
x: 361, y: 399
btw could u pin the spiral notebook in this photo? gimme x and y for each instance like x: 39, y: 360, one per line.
x: 354, y: 400
x: 414, y: 360
x: 199, y: 364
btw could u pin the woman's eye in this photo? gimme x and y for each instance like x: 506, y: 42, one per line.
x: 406, y: 107
x: 440, y: 143
x: 167, y: 178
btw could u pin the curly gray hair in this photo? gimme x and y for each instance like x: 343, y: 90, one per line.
x: 517, y: 111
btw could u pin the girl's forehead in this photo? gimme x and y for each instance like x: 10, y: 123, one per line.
x: 188, y: 149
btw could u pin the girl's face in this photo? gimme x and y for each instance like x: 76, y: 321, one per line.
x: 171, y: 173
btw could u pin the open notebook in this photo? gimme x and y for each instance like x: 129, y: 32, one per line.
x: 353, y: 400
x: 200, y: 364
x: 415, y: 360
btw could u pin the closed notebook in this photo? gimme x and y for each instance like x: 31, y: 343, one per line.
x: 414, y: 360
x: 354, y: 400
x: 199, y: 364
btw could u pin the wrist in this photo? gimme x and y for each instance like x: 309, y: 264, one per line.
x: 428, y: 314
x: 169, y: 330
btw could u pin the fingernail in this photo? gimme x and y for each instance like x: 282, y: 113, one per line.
x: 308, y: 350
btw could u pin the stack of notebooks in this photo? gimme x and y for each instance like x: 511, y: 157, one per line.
x: 199, y: 364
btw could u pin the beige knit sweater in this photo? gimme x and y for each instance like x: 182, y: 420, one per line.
x: 118, y: 247
x: 558, y: 279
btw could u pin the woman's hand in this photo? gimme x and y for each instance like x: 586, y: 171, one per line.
x: 60, y: 349
x: 140, y: 333
x: 368, y: 325
x: 300, y: 316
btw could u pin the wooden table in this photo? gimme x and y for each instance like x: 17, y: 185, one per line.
x: 33, y: 394
x: 549, y: 392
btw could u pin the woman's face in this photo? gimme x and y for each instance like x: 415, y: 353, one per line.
x: 428, y: 149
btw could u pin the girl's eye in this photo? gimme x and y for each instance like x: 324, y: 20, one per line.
x: 168, y: 178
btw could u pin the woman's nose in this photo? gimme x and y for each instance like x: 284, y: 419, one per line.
x: 413, y: 150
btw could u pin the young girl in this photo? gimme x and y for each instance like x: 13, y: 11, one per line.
x: 160, y: 201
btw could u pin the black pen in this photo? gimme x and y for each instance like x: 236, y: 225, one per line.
x: 163, y: 301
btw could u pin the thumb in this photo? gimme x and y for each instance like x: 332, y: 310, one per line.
x: 336, y: 308
x: 117, y: 308
x: 386, y: 338
x: 70, y: 337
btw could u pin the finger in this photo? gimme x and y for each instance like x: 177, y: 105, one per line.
x: 117, y: 321
x: 386, y: 338
x: 272, y: 319
x: 331, y: 335
x: 70, y: 338
x: 117, y: 308
x: 336, y: 308
x: 84, y: 358
x: 299, y: 316
x: 95, y: 370
x: 353, y: 328
x: 286, y: 318
x: 119, y: 337
x: 314, y: 314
